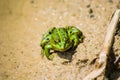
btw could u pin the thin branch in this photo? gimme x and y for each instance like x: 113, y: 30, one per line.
x: 102, y: 59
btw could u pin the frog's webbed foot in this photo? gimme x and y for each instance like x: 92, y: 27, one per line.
x: 42, y: 53
x: 82, y: 38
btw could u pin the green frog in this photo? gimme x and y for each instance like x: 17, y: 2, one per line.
x: 61, y: 39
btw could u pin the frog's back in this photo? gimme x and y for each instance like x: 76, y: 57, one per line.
x: 59, y: 35
x: 60, y: 39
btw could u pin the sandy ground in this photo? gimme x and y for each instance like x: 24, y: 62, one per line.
x: 23, y: 22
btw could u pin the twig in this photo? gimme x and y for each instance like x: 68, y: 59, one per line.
x: 117, y: 60
x: 102, y: 59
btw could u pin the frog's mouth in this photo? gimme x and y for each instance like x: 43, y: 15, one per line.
x: 63, y: 49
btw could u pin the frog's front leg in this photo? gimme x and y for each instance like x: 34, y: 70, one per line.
x: 47, y: 51
x: 75, y: 40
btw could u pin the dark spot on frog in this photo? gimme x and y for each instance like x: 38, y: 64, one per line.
x: 70, y: 32
x: 47, y: 38
x: 49, y: 32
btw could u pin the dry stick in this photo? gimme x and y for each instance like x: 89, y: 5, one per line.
x: 102, y: 60
x: 117, y: 59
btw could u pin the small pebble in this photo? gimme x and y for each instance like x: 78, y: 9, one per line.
x: 88, y: 6
x: 90, y: 11
x: 91, y: 16
x: 5, y: 55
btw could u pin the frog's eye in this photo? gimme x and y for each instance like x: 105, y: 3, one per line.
x: 70, y: 32
x: 47, y: 38
x: 49, y: 32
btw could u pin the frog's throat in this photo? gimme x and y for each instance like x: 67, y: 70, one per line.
x: 62, y: 49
